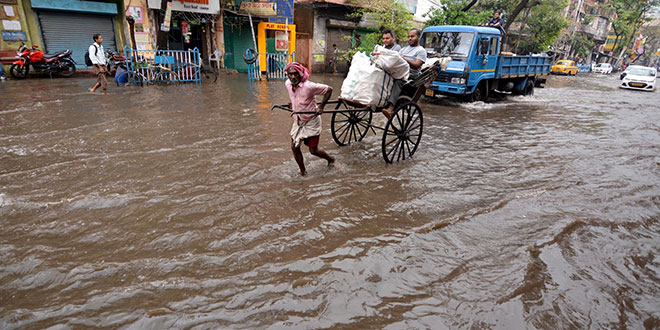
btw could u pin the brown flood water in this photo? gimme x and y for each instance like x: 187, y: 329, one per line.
x: 182, y: 207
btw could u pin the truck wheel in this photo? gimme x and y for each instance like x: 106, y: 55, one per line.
x: 480, y: 93
x: 529, y: 89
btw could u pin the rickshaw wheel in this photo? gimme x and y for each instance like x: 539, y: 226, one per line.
x: 348, y: 127
x: 403, y: 132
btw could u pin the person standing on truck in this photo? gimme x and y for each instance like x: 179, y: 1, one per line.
x: 389, y: 41
x: 496, y: 22
x: 415, y: 55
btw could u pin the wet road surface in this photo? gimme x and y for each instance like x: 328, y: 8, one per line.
x: 182, y: 207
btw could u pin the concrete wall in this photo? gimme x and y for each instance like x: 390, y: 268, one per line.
x: 319, y: 43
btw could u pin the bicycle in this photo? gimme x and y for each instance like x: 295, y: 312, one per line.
x: 135, y: 75
x: 163, y: 75
x: 207, y: 74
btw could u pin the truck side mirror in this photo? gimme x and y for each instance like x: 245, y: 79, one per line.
x: 483, y: 46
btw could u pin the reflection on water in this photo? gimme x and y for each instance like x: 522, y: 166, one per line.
x: 181, y: 207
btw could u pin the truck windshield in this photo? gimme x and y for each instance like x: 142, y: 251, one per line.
x: 454, y: 44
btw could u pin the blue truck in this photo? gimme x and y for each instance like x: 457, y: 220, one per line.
x: 477, y: 68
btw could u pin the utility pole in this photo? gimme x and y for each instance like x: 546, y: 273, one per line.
x: 161, y: 37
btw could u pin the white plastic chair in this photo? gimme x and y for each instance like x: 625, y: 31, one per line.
x: 216, y: 57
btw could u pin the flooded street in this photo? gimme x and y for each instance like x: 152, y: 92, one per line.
x: 182, y: 207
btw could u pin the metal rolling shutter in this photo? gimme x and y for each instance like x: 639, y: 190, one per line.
x: 74, y: 31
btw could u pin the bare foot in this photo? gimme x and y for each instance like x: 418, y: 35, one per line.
x: 331, y: 163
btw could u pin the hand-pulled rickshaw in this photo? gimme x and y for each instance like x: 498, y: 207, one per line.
x: 402, y: 133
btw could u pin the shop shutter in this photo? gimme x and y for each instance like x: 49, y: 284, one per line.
x: 74, y: 31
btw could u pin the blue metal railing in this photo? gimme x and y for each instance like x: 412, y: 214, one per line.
x: 185, y: 65
x: 276, y: 64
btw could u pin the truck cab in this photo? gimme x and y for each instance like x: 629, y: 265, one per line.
x: 476, y: 67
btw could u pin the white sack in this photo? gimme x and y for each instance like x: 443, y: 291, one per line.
x: 432, y: 60
x: 348, y: 86
x: 391, y: 62
x: 373, y: 86
x: 365, y: 83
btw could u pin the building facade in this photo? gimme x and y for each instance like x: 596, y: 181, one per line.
x: 57, y: 25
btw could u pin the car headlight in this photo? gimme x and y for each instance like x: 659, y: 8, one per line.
x: 459, y: 81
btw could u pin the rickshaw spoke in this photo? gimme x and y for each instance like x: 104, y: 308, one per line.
x: 345, y: 135
x: 343, y: 132
x: 342, y: 126
x: 410, y: 116
x: 360, y: 131
x: 363, y: 125
x: 398, y: 118
x: 396, y: 146
x: 414, y: 128
x: 350, y: 133
x: 409, y: 149
x: 415, y: 120
x: 388, y: 143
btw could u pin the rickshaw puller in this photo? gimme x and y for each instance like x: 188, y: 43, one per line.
x: 306, y: 127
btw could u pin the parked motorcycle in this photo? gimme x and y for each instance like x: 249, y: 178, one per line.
x: 114, y: 61
x: 60, y: 62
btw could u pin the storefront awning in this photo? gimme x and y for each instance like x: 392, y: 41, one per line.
x: 76, y: 6
x: 191, y: 6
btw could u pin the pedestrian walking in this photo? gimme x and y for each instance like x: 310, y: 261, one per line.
x: 2, y: 73
x: 306, y: 126
x: 97, y: 56
x: 332, y: 64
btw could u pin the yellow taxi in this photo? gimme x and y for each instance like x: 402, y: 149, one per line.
x: 564, y: 67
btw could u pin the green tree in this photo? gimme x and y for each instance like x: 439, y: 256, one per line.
x: 542, y: 27
x: 538, y: 22
x: 388, y: 14
x: 453, y: 12
x: 629, y: 16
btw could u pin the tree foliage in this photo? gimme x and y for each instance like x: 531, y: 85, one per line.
x: 452, y: 13
x: 542, y: 27
x: 539, y: 22
x: 387, y: 14
x: 629, y: 16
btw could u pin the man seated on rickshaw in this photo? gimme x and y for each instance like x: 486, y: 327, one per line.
x: 415, y: 55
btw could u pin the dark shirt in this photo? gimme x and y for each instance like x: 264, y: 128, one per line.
x: 494, y: 21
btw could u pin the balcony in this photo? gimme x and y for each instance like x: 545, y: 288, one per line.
x: 597, y: 30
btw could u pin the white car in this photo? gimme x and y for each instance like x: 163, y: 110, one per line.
x: 604, y: 68
x: 639, y: 77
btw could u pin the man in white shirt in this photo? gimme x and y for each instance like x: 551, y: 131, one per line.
x: 97, y: 55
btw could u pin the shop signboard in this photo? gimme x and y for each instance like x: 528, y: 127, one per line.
x: 11, y: 25
x: 136, y: 12
x: 281, y: 42
x: 284, y: 12
x: 259, y: 8
x: 193, y: 6
x: 165, y: 26
x: 13, y: 36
